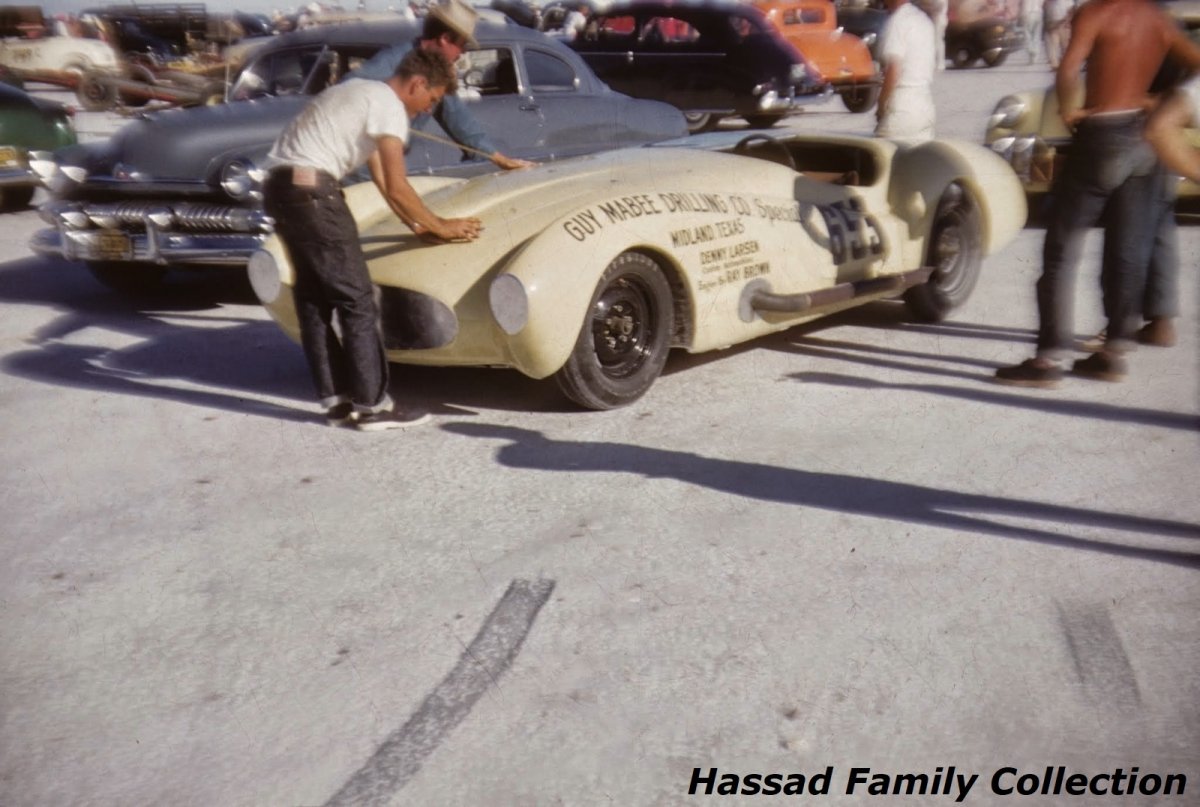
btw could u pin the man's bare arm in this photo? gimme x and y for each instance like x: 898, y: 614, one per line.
x: 389, y: 174
x: 1165, y: 131
x: 1085, y: 26
x: 891, y: 76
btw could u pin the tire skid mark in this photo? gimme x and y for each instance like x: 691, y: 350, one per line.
x: 400, y: 756
x: 1101, y: 664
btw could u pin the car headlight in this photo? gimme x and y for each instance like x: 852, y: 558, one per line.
x: 264, y: 276
x: 1007, y: 114
x: 797, y: 74
x: 241, y: 179
x: 509, y: 303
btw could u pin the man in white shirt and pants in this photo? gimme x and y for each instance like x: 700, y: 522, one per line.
x: 905, y: 111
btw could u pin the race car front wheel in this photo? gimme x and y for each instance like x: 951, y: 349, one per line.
x: 623, y: 343
x: 954, y: 252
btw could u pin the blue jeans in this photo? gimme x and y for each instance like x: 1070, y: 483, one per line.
x: 331, y: 277
x: 1109, y: 164
x: 1160, y: 300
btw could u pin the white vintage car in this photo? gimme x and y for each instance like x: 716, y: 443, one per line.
x: 591, y: 269
x: 58, y: 59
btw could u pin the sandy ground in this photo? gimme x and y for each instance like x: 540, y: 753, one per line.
x: 840, y: 547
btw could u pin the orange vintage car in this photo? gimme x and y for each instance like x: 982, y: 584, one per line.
x: 842, y: 59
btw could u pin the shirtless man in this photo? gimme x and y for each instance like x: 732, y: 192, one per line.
x: 1123, y: 43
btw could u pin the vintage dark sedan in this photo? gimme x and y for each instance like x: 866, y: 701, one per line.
x: 28, y: 125
x: 711, y: 59
x: 181, y: 187
x: 990, y: 39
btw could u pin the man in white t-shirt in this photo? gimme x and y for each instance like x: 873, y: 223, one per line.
x: 905, y: 111
x: 1166, y: 130
x: 355, y: 122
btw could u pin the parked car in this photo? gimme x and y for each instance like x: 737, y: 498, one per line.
x: 180, y: 187
x: 1026, y: 129
x: 865, y: 19
x: 840, y: 59
x: 62, y: 60
x: 711, y: 59
x: 990, y: 39
x: 28, y: 125
x: 778, y: 231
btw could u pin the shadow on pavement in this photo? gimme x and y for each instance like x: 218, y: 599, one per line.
x: 184, y: 336
x: 892, y: 501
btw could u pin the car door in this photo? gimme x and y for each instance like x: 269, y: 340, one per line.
x: 607, y: 44
x: 491, y: 86
x: 681, y: 57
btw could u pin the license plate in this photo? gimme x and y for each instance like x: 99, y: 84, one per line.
x: 8, y: 156
x: 112, y: 245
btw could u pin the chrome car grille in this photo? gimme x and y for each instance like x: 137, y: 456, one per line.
x: 187, y: 216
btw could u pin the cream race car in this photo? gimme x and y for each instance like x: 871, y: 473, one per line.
x: 591, y: 269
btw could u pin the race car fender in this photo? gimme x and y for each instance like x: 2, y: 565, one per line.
x: 921, y: 174
x: 541, y: 299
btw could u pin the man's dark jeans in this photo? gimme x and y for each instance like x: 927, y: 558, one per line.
x: 1109, y: 164
x: 331, y: 276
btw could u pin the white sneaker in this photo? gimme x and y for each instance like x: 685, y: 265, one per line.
x: 390, y: 419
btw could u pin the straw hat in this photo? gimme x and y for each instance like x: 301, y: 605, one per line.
x: 457, y: 16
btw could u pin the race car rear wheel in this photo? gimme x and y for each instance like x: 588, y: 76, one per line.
x: 955, y: 253
x: 128, y: 278
x: 623, y: 343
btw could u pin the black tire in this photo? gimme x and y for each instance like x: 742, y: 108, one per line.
x: 698, y: 122
x: 962, y: 58
x: 128, y: 278
x: 995, y: 61
x: 15, y: 198
x: 624, y: 340
x: 764, y: 120
x: 955, y: 251
x: 95, y: 92
x: 861, y: 99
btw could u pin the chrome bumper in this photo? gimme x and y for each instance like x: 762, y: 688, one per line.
x: 15, y: 175
x: 189, y: 232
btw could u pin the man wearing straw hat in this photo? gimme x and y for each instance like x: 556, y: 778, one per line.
x: 449, y: 30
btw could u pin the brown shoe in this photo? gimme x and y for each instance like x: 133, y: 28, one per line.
x: 1102, y: 366
x: 1158, y: 332
x: 1030, y: 373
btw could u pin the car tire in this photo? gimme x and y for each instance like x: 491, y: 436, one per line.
x: 625, y: 337
x: 95, y: 93
x: 860, y: 99
x: 764, y: 121
x: 962, y: 58
x: 15, y: 198
x: 995, y: 61
x: 698, y: 122
x: 955, y: 251
x: 128, y: 278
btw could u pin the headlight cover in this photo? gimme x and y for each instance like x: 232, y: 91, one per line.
x: 241, y: 179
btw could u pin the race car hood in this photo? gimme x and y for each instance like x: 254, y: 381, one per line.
x: 606, y: 190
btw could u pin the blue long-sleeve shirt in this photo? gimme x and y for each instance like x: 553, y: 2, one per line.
x: 452, y: 113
